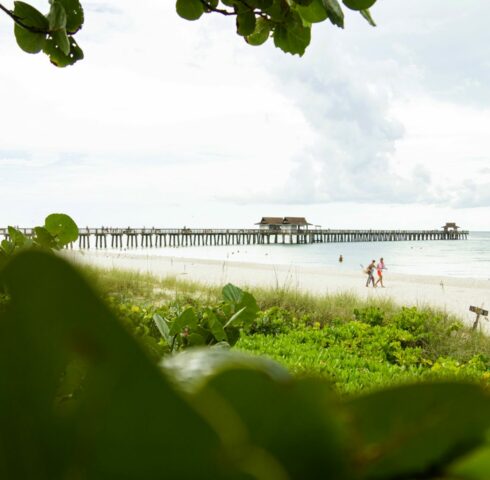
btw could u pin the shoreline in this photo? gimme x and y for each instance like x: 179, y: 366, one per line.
x: 451, y: 294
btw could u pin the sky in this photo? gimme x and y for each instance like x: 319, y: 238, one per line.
x: 169, y: 123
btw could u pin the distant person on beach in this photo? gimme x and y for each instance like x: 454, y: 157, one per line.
x: 341, y: 259
x: 370, y: 273
x: 380, y: 267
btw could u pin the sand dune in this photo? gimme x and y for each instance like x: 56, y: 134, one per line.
x: 453, y: 295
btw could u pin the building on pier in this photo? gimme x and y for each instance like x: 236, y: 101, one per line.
x: 283, y: 224
x: 450, y: 227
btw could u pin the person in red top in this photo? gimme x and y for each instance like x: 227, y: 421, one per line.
x: 380, y: 267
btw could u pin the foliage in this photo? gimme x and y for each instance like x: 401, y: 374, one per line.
x: 58, y: 231
x: 52, y: 33
x: 176, y: 326
x: 288, y: 22
x: 79, y: 398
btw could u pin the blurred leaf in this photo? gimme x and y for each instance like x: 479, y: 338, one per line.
x: 236, y: 316
x: 62, y: 227
x: 474, y: 466
x: 127, y: 423
x: 7, y: 247
x: 231, y: 293
x: 193, y: 367
x: 302, y: 430
x: 190, y: 9
x: 408, y: 430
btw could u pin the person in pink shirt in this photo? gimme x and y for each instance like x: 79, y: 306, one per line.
x: 380, y: 267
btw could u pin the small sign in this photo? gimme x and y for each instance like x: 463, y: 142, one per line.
x: 479, y: 311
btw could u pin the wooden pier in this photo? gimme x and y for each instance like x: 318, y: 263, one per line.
x: 163, y: 237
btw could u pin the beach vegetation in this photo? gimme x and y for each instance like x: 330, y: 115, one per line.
x: 81, y: 398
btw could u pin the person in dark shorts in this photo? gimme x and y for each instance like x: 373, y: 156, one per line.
x: 370, y: 273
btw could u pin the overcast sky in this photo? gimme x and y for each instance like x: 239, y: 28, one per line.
x: 170, y: 123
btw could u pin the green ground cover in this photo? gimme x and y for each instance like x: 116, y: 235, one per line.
x: 358, y: 345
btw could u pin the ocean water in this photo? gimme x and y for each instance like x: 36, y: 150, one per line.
x: 457, y: 258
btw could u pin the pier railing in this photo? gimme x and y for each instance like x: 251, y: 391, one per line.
x: 177, y: 237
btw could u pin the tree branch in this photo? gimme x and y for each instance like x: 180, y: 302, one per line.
x: 19, y: 21
x: 217, y: 10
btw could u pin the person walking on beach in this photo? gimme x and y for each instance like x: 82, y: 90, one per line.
x: 370, y: 273
x: 380, y: 267
x: 341, y: 259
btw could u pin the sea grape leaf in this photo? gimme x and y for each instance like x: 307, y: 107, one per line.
x: 367, y: 15
x: 261, y: 33
x: 44, y: 239
x: 57, y: 56
x: 335, y: 13
x: 408, y: 430
x: 292, y: 36
x: 314, y: 12
x: 127, y: 421
x: 74, y: 15
x: 17, y: 237
x: 57, y: 16
x: 62, y: 227
x: 359, y: 4
x: 30, y: 42
x: 190, y: 9
x: 245, y: 23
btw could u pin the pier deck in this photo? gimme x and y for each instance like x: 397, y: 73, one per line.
x: 164, y: 237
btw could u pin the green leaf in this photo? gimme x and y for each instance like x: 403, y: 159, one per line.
x: 56, y: 55
x: 406, y: 431
x: 261, y: 4
x: 314, y: 12
x: 57, y: 16
x: 235, y: 317
x: 302, y: 431
x: 335, y: 13
x: 245, y: 23
x: 359, y: 4
x: 187, y: 319
x: 278, y: 11
x: 292, y: 36
x: 474, y: 466
x: 261, y: 33
x: 195, y: 339
x: 367, y: 15
x: 44, y: 239
x: 7, y: 247
x: 74, y: 15
x: 60, y: 38
x: 30, y: 42
x: 163, y: 328
x: 17, y: 237
x: 191, y: 368
x: 190, y: 9
x: 231, y: 293
x: 62, y: 227
x: 127, y: 422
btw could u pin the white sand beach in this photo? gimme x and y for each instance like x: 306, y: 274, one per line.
x: 454, y: 295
